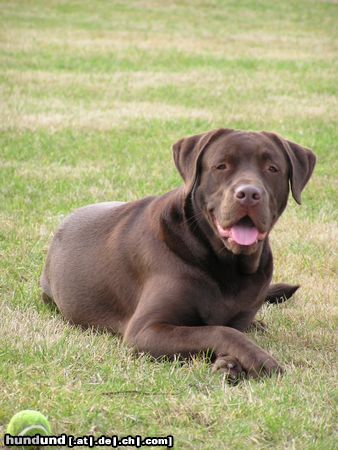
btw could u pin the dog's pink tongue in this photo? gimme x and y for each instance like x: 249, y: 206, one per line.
x: 244, y: 235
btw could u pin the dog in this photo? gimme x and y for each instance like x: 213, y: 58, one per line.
x: 185, y: 272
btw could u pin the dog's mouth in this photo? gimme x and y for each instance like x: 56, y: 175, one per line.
x: 244, y: 232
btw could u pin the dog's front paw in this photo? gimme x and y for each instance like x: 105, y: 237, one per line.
x: 263, y: 365
x: 229, y: 366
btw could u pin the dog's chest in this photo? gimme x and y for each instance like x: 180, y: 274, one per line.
x: 234, y: 300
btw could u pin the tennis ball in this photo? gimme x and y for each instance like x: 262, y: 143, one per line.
x: 29, y: 423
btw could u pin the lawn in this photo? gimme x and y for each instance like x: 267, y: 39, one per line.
x: 93, y: 95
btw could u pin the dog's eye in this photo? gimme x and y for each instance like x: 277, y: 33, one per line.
x: 272, y: 169
x: 221, y: 167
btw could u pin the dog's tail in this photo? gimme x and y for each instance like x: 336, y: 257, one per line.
x: 278, y: 293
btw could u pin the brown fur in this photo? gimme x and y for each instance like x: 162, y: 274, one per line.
x: 158, y: 272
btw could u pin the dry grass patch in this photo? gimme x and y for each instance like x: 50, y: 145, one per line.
x: 55, y: 171
x: 103, y: 81
x: 215, y: 79
x: 105, y: 118
x: 267, y: 46
x: 104, y: 115
x: 23, y: 329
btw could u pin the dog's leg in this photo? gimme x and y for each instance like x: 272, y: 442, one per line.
x: 168, y: 321
x: 280, y: 292
x: 158, y: 328
x: 162, y: 339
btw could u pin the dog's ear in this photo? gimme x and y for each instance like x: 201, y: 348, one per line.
x: 188, y: 152
x: 301, y: 163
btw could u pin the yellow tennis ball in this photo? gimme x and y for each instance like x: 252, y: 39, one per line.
x: 29, y: 423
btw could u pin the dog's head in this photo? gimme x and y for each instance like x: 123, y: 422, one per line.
x: 240, y: 181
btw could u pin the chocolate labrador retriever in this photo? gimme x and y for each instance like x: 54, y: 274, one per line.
x: 188, y: 271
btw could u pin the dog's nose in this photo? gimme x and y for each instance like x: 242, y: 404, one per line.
x: 248, y: 195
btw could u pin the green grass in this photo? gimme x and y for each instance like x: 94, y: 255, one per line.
x: 93, y: 95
